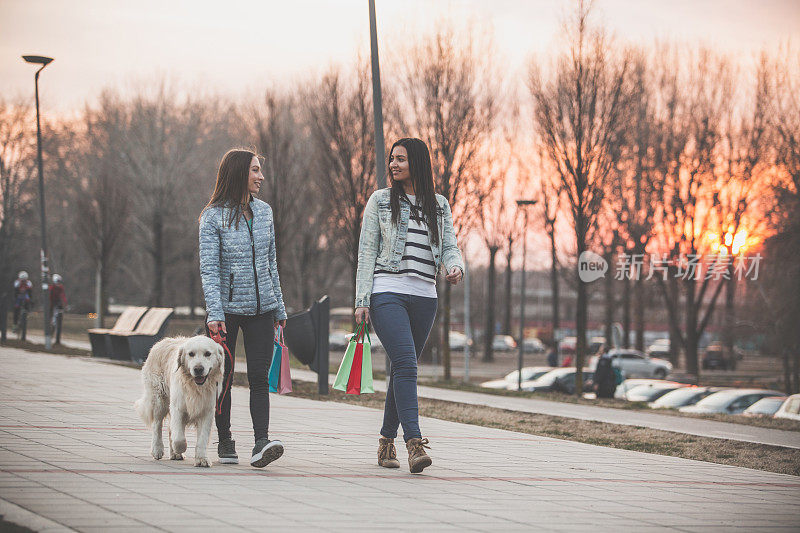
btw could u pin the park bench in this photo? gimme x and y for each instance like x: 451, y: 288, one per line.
x: 127, y: 321
x: 135, y: 345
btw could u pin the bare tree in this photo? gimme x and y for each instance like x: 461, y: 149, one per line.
x: 340, y: 117
x: 687, y: 161
x: 579, y: 114
x: 449, y: 101
x: 17, y: 163
x: 740, y: 183
x: 782, y: 301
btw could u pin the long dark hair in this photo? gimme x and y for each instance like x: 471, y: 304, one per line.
x: 231, y: 186
x: 419, y: 167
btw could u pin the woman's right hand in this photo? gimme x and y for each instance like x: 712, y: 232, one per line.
x: 362, y: 314
x: 217, y: 325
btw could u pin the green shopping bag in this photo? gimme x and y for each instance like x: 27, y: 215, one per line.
x: 355, y: 371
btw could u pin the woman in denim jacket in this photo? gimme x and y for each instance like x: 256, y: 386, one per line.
x: 239, y: 272
x: 407, y: 236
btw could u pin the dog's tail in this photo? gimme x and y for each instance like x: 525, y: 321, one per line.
x: 144, y: 413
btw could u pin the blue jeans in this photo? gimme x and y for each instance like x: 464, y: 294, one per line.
x: 402, y: 322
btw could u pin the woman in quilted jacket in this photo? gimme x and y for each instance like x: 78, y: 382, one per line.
x: 242, y: 290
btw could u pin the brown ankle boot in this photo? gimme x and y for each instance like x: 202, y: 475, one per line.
x: 387, y: 455
x: 417, y: 458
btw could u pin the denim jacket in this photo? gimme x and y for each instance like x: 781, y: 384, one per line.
x: 238, y: 266
x: 382, y: 243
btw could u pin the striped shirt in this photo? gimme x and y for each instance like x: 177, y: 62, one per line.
x: 417, y: 272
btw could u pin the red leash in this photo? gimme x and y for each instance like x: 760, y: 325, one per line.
x: 227, y: 381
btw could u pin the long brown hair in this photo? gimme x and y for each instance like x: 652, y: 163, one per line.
x: 231, y: 186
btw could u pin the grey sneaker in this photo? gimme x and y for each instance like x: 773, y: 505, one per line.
x: 226, y: 450
x: 266, y: 451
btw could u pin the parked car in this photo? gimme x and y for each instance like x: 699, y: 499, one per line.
x: 633, y: 363
x: 533, y: 345
x: 790, y: 408
x: 683, y: 396
x: 338, y: 339
x: 567, y: 382
x: 650, y: 392
x: 509, y: 382
x: 717, y: 356
x: 622, y: 390
x: 765, y: 407
x: 660, y: 348
x: 556, y: 379
x: 731, y: 401
x: 503, y: 343
x: 458, y: 340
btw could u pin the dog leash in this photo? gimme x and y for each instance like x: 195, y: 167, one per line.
x: 220, y: 338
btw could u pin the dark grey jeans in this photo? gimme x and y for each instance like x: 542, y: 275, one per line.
x: 402, y: 322
x: 259, y: 334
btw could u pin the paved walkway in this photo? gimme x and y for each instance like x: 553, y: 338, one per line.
x: 73, y: 455
x: 680, y: 424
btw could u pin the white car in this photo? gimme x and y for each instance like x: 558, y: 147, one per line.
x: 458, y: 340
x: 533, y: 345
x: 732, y: 401
x: 503, y: 343
x: 790, y: 408
x: 529, y: 373
x: 650, y: 392
x: 633, y: 363
x: 622, y: 390
x: 765, y: 407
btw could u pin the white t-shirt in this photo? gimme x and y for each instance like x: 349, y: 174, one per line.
x: 417, y: 272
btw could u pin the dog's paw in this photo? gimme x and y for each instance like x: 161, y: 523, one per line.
x: 157, y: 453
x: 201, y: 461
x: 176, y: 456
x: 179, y: 446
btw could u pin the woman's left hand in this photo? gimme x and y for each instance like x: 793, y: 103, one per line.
x: 454, y: 275
x: 281, y: 323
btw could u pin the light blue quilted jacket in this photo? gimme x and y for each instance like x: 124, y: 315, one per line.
x: 238, y: 266
x: 382, y: 243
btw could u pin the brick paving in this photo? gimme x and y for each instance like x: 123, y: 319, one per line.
x: 74, y: 456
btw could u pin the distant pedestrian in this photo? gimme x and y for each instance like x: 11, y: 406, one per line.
x: 567, y: 361
x: 407, y: 235
x: 240, y: 280
x: 23, y: 296
x: 552, y: 357
x: 605, y: 381
x: 57, y: 297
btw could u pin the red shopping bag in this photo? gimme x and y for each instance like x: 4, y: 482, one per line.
x: 354, y: 381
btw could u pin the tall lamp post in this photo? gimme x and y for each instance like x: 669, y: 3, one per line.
x: 377, y: 103
x: 43, y: 61
x: 522, y: 204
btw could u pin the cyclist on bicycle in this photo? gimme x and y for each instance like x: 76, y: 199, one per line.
x: 23, y: 295
x: 58, y: 302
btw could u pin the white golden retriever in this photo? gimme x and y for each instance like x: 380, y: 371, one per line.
x: 182, y: 377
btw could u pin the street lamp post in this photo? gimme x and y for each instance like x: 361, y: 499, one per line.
x: 522, y: 204
x: 43, y: 61
x: 377, y: 102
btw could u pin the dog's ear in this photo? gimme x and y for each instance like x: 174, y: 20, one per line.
x: 220, y: 354
x: 180, y: 358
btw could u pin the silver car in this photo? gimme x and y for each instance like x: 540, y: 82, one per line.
x: 633, y: 363
x: 683, y: 397
x: 732, y: 401
x: 529, y: 373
